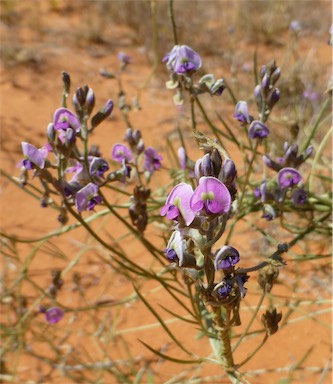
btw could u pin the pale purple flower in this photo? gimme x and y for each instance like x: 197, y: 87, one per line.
x: 63, y: 119
x: 120, y: 152
x: 33, y: 156
x: 183, y: 60
x: 242, y: 112
x: 152, y: 160
x: 87, y: 197
x: 258, y: 130
x: 299, y: 197
x: 53, y: 315
x: 177, y: 205
x: 211, y: 196
x: 226, y: 257
x: 288, y: 177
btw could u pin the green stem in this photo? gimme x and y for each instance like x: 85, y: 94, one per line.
x: 318, y: 156
x: 315, y: 127
x: 173, y: 22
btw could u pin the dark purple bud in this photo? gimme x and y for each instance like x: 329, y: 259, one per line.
x: 288, y: 177
x: 265, y: 83
x: 102, y: 114
x: 272, y: 164
x: 262, y: 71
x: 258, y: 96
x: 275, y: 75
x: 67, y: 82
x: 226, y: 257
x: 54, y: 315
x: 229, y: 172
x: 140, y: 147
x: 258, y: 130
x: 299, y: 197
x: 273, y: 98
x: 291, y: 154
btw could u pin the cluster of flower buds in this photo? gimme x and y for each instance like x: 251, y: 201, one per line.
x: 257, y: 129
x: 265, y: 93
x: 288, y: 183
x: 183, y: 62
x: 82, y: 172
x: 199, y: 216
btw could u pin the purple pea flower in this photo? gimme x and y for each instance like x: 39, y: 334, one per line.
x: 33, y: 156
x: 223, y: 290
x: 288, y: 177
x: 98, y: 167
x: 177, y: 205
x: 299, y: 197
x: 87, y: 198
x: 53, y: 315
x: 120, y: 152
x: 63, y: 119
x: 258, y: 130
x: 152, y: 160
x: 211, y: 196
x: 226, y: 257
x: 183, y: 60
x: 124, y: 58
x: 242, y: 112
x: 175, y: 248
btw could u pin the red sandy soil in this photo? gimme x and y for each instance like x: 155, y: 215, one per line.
x: 30, y: 92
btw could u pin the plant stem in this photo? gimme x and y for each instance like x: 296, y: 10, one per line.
x: 224, y: 337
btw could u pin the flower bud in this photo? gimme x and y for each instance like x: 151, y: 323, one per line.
x: 51, y: 133
x: 102, y: 114
x: 67, y: 82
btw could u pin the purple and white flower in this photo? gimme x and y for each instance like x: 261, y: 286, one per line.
x: 242, y: 112
x: 211, y: 197
x: 258, y: 130
x: 288, y: 177
x: 183, y: 60
x: 121, y: 152
x: 177, y: 206
x: 226, y: 257
x: 87, y: 197
x: 152, y: 160
x: 33, y: 157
